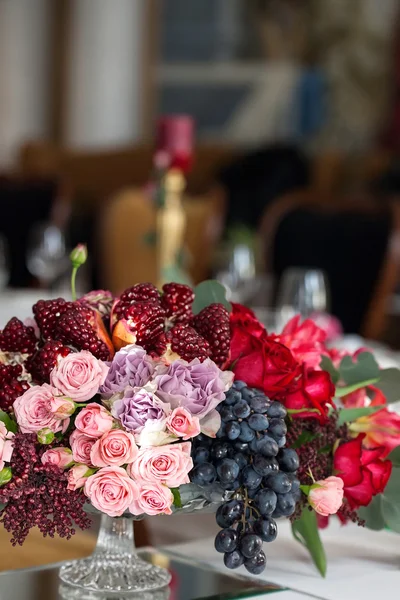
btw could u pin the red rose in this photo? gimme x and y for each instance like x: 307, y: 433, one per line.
x: 363, y: 471
x: 269, y: 366
x: 314, y: 390
x: 245, y: 331
x: 305, y: 340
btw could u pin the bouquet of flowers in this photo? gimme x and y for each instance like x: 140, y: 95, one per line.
x: 160, y: 399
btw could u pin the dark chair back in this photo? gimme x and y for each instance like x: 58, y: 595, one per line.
x: 353, y: 246
x: 23, y: 204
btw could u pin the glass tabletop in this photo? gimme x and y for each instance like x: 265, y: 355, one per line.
x: 191, y: 580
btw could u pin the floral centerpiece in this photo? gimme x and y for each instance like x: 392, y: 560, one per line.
x: 170, y: 400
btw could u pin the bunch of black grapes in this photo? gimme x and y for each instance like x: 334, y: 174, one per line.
x: 249, y: 458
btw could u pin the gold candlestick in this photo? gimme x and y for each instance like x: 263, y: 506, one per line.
x: 171, y: 225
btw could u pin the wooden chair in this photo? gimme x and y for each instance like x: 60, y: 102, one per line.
x: 126, y: 227
x: 302, y: 230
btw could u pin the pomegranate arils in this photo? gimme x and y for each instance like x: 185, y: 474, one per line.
x: 177, y: 299
x: 187, y: 343
x: 213, y: 324
x: 143, y: 322
x: 10, y: 385
x: 48, y: 313
x: 45, y: 359
x: 141, y: 292
x: 77, y: 328
x: 17, y: 337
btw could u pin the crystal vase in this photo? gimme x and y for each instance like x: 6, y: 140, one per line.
x: 114, y: 567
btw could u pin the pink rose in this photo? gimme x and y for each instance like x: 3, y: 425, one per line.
x: 60, y: 457
x: 94, y: 420
x: 79, y: 375
x: 168, y: 465
x: 154, y: 499
x: 327, y: 496
x: 111, y: 491
x: 6, y: 445
x: 33, y: 411
x: 77, y: 476
x: 81, y: 446
x: 62, y: 407
x: 116, y: 447
x: 183, y: 424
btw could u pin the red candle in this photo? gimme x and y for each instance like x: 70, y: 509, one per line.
x: 175, y: 137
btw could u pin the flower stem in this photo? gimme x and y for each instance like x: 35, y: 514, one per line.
x: 73, y: 282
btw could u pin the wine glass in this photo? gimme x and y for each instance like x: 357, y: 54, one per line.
x: 302, y: 291
x: 47, y: 257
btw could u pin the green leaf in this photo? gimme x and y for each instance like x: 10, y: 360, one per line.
x: 305, y: 531
x: 207, y: 293
x: 346, y: 415
x: 175, y: 274
x: 304, y: 438
x: 10, y: 424
x: 392, y: 490
x: 348, y: 389
x: 372, y: 514
x: 394, y: 456
x: 177, y: 497
x: 5, y: 475
x: 391, y: 514
x: 389, y: 384
x: 361, y: 368
x: 327, y: 365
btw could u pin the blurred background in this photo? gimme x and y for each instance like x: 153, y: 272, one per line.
x: 288, y: 113
x: 291, y: 139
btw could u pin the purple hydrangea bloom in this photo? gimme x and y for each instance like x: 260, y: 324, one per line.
x: 197, y: 386
x: 131, y: 367
x: 137, y: 408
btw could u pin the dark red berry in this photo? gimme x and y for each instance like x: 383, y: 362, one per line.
x: 45, y: 359
x: 11, y: 387
x: 213, y: 324
x: 141, y: 292
x: 177, y: 299
x: 142, y: 323
x: 187, y: 343
x: 17, y: 337
x: 82, y: 328
x: 48, y: 313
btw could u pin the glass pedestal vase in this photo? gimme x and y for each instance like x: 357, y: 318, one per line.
x: 114, y: 567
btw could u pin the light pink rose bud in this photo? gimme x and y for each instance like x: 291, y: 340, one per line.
x: 45, y: 436
x: 167, y: 465
x: 6, y: 445
x: 60, y: 457
x: 183, y: 424
x: 77, y: 476
x: 326, y: 496
x: 81, y: 446
x: 33, y: 411
x: 116, y: 447
x: 62, y: 407
x: 154, y: 499
x: 94, y: 420
x: 78, y: 255
x: 111, y: 491
x: 79, y: 375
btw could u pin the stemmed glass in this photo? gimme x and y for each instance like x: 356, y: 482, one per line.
x: 47, y: 257
x: 302, y: 291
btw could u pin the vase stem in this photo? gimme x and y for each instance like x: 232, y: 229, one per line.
x: 116, y: 536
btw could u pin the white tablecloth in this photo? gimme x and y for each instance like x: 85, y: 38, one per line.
x: 362, y: 564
